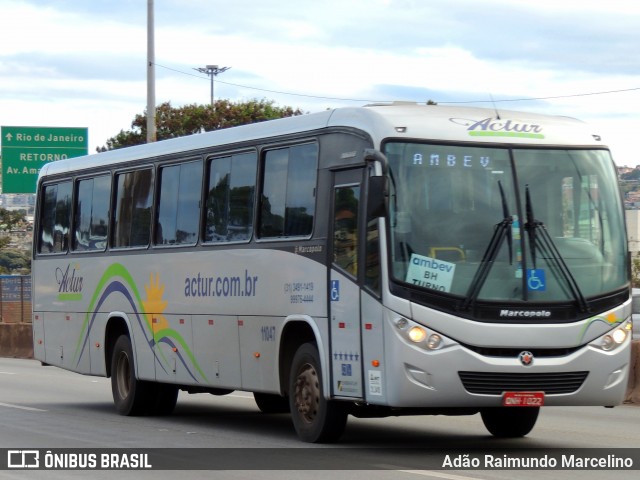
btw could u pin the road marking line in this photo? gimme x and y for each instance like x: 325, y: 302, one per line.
x: 235, y: 395
x: 426, y: 473
x: 7, y: 373
x: 434, y: 474
x: 20, y: 407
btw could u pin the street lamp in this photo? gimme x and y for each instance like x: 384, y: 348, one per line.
x: 212, y: 71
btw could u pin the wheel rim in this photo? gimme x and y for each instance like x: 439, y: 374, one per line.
x: 123, y: 375
x: 307, y: 393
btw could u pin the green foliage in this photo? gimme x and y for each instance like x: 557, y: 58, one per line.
x: 14, y: 261
x: 190, y: 119
x: 632, y: 175
x: 10, y: 218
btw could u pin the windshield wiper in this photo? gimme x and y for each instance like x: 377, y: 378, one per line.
x: 502, y: 230
x: 545, y: 243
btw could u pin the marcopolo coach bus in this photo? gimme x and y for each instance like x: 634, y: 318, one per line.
x: 385, y: 260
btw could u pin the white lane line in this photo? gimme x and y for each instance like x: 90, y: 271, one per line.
x: 435, y: 474
x: 236, y: 395
x: 20, y: 407
x: 7, y: 373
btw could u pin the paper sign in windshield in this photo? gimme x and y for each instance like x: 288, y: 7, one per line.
x: 430, y: 273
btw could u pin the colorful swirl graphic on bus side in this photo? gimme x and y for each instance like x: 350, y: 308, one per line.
x: 148, y: 313
x: 611, y: 319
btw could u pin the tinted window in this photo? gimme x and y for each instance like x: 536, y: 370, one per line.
x: 230, y: 198
x: 92, y: 213
x: 179, y: 205
x: 55, y: 218
x: 133, y: 209
x: 345, y: 228
x: 288, y: 191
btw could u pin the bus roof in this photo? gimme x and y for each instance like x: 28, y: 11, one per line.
x: 394, y: 120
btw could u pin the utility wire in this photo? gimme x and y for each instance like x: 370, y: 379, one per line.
x: 524, y: 99
x: 551, y: 97
x: 268, y: 91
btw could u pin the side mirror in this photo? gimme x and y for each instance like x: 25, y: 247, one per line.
x: 377, y: 197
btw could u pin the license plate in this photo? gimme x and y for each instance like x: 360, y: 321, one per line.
x: 523, y: 399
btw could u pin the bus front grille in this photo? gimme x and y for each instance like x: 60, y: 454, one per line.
x: 487, y: 383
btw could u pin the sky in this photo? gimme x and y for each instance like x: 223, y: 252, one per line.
x: 83, y: 63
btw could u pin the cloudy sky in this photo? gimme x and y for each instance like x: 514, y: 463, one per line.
x: 82, y: 63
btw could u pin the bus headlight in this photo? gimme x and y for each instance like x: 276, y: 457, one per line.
x: 417, y: 334
x: 614, y: 338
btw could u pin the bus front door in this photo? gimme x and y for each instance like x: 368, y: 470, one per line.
x: 344, y: 291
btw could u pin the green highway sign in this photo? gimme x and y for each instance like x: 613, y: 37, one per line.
x: 25, y: 150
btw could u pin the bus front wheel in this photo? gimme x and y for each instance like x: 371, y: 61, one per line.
x: 509, y: 422
x: 315, y: 418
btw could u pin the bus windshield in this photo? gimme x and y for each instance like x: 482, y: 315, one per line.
x: 505, y: 224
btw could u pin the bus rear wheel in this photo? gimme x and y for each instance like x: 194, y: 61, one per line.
x: 315, y: 418
x: 131, y: 396
x: 509, y: 422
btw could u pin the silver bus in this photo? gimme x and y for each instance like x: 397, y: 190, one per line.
x: 376, y: 261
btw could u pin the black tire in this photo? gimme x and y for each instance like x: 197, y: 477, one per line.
x: 315, y: 418
x: 165, y: 399
x: 510, y: 422
x: 271, y: 403
x: 131, y: 396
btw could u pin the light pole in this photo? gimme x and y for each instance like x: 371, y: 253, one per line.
x: 151, y: 75
x: 212, y: 71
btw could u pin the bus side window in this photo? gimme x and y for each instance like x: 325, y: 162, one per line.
x: 179, y: 205
x: 132, y: 225
x: 92, y: 213
x: 55, y: 218
x: 288, y: 192
x: 230, y: 196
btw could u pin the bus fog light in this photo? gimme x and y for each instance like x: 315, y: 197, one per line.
x: 434, y: 341
x: 417, y: 334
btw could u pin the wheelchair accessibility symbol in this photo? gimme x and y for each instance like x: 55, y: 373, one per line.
x: 536, y: 280
x: 335, y: 290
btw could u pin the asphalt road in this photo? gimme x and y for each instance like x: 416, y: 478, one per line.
x: 48, y: 408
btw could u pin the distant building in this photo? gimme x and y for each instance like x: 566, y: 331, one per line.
x: 19, y: 201
x: 633, y: 230
x: 624, y: 170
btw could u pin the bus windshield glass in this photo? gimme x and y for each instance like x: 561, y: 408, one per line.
x: 501, y: 224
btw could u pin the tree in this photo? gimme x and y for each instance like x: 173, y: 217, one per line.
x: 190, y: 119
x: 9, y: 219
x: 12, y: 260
x: 632, y: 175
x: 635, y: 270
